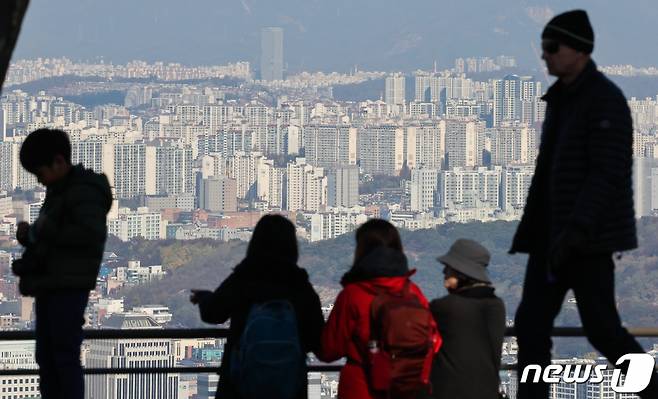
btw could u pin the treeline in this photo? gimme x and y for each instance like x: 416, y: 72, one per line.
x: 204, y: 264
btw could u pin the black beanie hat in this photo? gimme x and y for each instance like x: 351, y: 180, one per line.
x: 572, y: 29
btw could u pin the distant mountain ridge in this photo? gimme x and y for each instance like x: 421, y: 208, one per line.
x: 326, y: 35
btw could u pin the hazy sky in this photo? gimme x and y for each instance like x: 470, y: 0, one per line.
x: 327, y: 34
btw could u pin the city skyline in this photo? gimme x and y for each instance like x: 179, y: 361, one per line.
x: 206, y: 117
x: 415, y: 36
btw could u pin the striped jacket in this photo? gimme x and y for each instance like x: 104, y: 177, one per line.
x: 583, y: 178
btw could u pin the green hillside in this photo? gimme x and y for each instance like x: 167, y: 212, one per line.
x: 204, y: 264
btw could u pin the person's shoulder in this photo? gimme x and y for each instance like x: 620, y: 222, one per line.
x: 604, y: 86
x: 444, y: 302
x: 86, y: 181
x: 498, y: 303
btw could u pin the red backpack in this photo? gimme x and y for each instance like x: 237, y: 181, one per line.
x: 403, y: 335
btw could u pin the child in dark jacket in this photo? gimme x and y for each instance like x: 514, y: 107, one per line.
x: 63, y: 252
x: 269, y: 272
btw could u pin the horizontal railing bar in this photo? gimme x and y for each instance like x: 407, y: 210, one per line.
x: 223, y: 333
x: 182, y: 333
x: 158, y: 370
x: 187, y: 370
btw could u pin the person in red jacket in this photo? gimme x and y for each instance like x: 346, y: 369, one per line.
x: 379, y: 264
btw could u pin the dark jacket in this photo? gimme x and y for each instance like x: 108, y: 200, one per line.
x: 472, y: 324
x: 68, y: 238
x: 256, y: 281
x: 348, y: 328
x: 583, y: 178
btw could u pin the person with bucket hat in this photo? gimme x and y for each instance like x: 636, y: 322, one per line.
x: 579, y: 209
x: 471, y: 320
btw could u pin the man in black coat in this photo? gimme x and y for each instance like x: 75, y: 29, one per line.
x: 579, y: 209
x: 63, y: 253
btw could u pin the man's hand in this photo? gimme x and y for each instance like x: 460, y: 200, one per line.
x: 198, y: 295
x: 38, y: 224
x: 567, y: 244
x: 22, y: 233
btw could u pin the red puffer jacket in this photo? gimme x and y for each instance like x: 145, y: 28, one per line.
x: 347, y: 330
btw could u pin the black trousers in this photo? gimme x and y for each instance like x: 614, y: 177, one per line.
x: 592, y: 279
x: 60, y: 317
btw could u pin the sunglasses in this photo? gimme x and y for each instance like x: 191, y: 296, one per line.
x: 550, y: 46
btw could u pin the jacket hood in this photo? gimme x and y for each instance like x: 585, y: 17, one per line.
x: 80, y: 175
x: 380, y: 263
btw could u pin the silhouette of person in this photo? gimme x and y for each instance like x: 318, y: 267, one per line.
x: 579, y: 209
x: 62, y: 257
x: 471, y: 320
x: 268, y: 272
x: 379, y: 265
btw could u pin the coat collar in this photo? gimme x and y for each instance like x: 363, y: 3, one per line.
x: 476, y: 292
x: 558, y: 88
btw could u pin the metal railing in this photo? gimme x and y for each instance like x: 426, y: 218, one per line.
x: 639, y: 332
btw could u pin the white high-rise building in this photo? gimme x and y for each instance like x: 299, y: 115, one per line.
x: 270, y: 183
x: 31, y: 211
x: 306, y: 187
x: 515, y: 98
x: 212, y: 165
x: 644, y: 112
x: 513, y: 143
x: 270, y: 139
x: 295, y: 139
x: 425, y: 145
x: 257, y: 114
x: 424, y: 183
x: 119, y: 353
x: 343, y: 187
x: 464, y: 142
x: 271, y: 53
x: 395, y: 89
x: 189, y: 114
x: 141, y: 223
x: 422, y: 110
x: 18, y: 355
x: 422, y: 87
x: 174, y: 169
x: 243, y: 167
x: 215, y: 116
x: 339, y: 221
x: 506, y: 99
x: 9, y: 165
x: 6, y: 206
x: 515, y: 184
x: 134, y: 170
x: 12, y: 173
x: 469, y: 188
x: 95, y: 155
x: 464, y: 108
x: 645, y: 185
x: 381, y: 149
x: 330, y: 146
